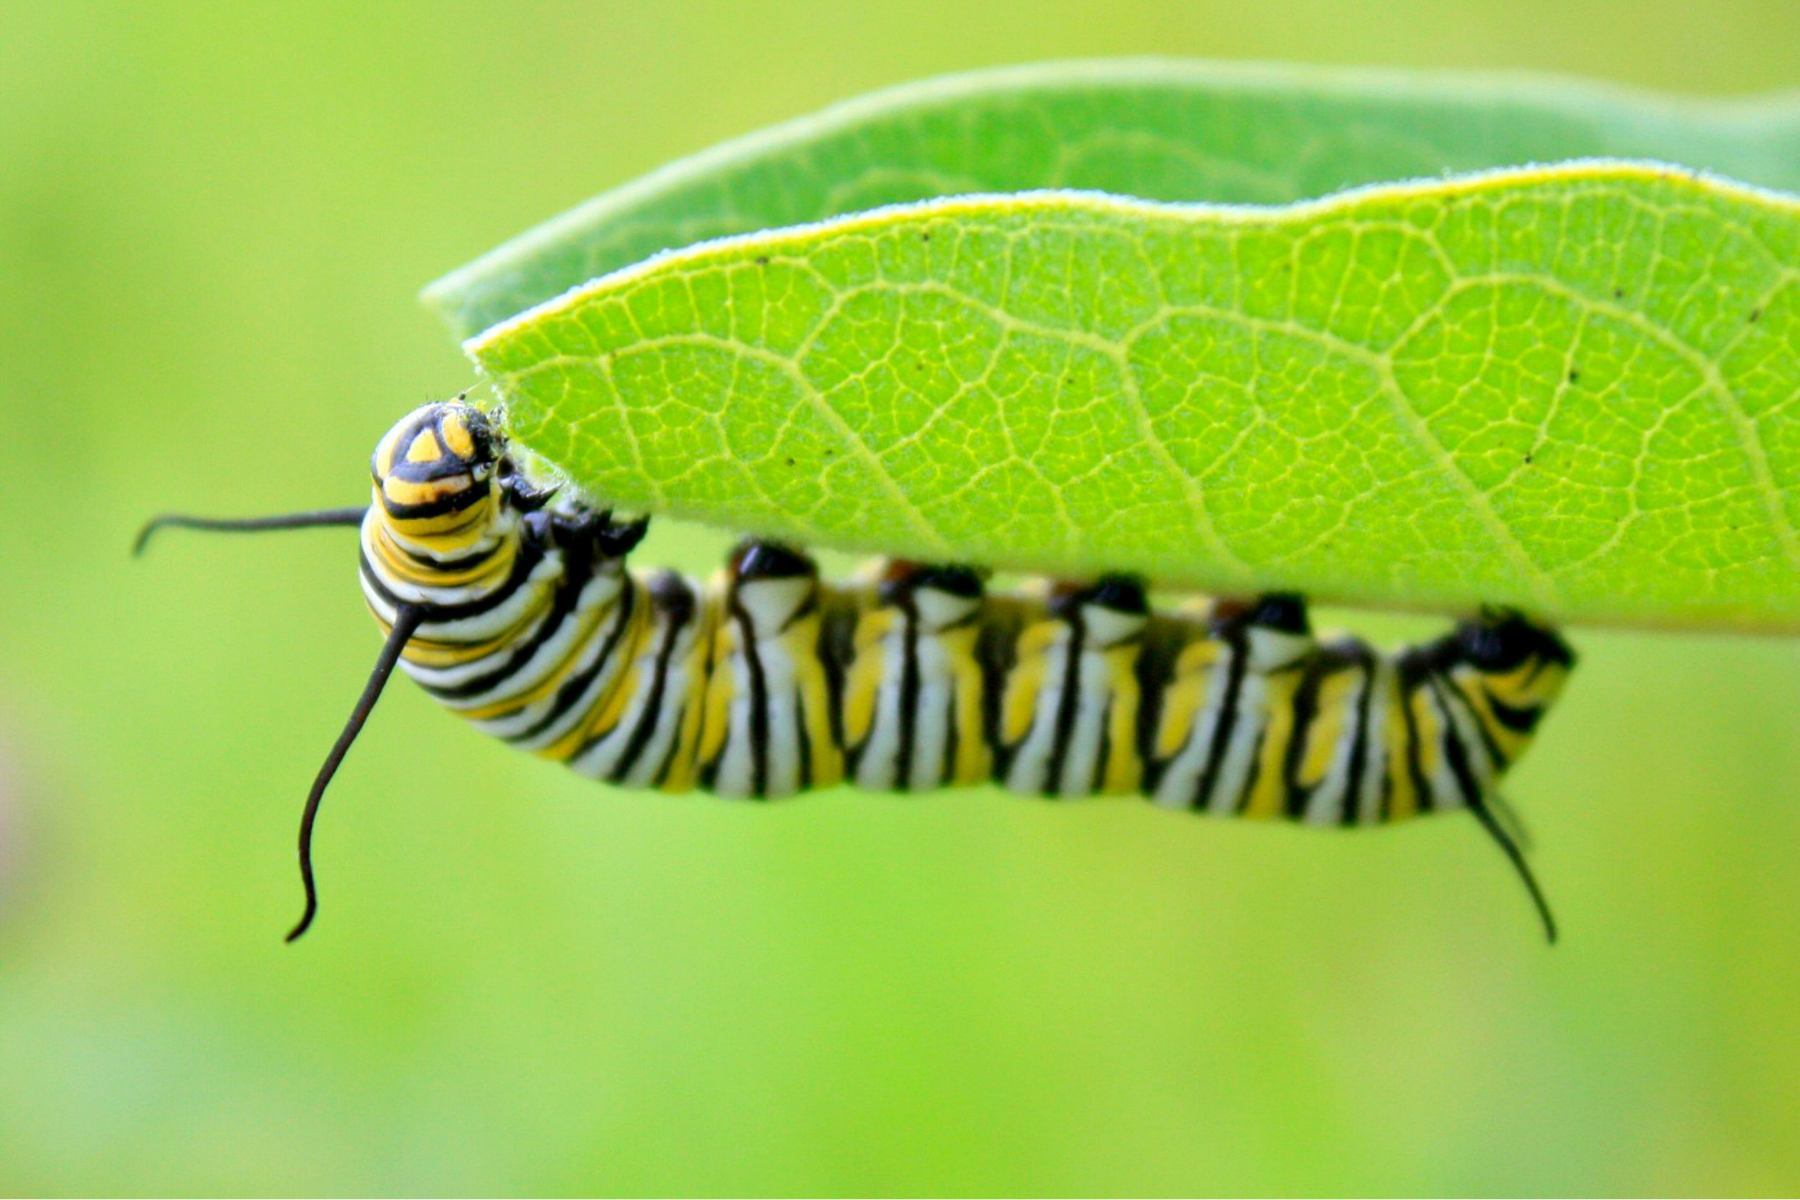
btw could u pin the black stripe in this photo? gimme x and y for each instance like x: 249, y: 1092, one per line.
x: 704, y: 649
x: 837, y: 646
x: 1101, y: 759
x: 403, y: 442
x: 802, y: 738
x: 709, y: 768
x: 1496, y: 756
x: 1255, y: 772
x: 442, y: 614
x: 909, y: 694
x: 759, y: 702
x: 953, y: 700
x: 572, y: 689
x: 455, y: 502
x: 1104, y: 758
x: 797, y: 695
x: 1457, y: 754
x: 1228, y: 705
x: 449, y: 566
x: 997, y: 650
x: 952, y: 732
x: 1519, y: 720
x: 577, y: 574
x: 1306, y: 710
x: 679, y: 608
x: 1408, y: 688
x: 658, y: 776
x: 1067, y: 705
x: 1155, y: 670
x: 1359, y: 748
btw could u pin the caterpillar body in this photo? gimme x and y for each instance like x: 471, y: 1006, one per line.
x: 513, y: 605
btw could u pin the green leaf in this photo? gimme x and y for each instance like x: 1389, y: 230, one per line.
x: 1570, y: 389
x: 1162, y: 130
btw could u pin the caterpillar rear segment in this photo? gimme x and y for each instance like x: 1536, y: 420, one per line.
x: 514, y: 607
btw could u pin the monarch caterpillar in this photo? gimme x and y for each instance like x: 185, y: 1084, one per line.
x: 512, y: 605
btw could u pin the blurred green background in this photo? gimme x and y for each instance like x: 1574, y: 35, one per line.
x: 213, y: 221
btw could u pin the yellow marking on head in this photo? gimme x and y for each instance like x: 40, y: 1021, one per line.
x: 401, y: 491
x: 455, y: 430
x: 425, y: 448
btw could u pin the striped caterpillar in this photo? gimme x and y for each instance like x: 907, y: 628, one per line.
x: 512, y: 605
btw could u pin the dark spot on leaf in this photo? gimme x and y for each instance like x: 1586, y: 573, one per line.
x: 1755, y: 315
x: 788, y: 461
x: 925, y: 237
x: 1618, y: 293
x: 1528, y: 458
x: 762, y: 260
x: 1574, y: 374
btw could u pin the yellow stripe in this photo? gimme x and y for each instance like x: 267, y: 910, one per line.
x: 1337, y: 694
x: 862, y: 683
x: 974, y: 758
x: 1026, y: 680
x: 425, y: 448
x: 1403, y: 797
x: 681, y: 772
x: 1124, y: 771
x: 716, y: 707
x: 1268, y: 796
x: 1185, y: 696
x: 456, y: 433
x: 801, y: 643
x: 384, y: 452
x: 610, y: 705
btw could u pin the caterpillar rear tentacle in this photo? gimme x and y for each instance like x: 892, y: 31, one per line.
x: 513, y: 606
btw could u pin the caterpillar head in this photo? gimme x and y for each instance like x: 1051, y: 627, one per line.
x: 1522, y: 665
x: 437, y: 471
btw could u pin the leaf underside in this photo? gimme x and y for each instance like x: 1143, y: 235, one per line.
x: 1567, y: 389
